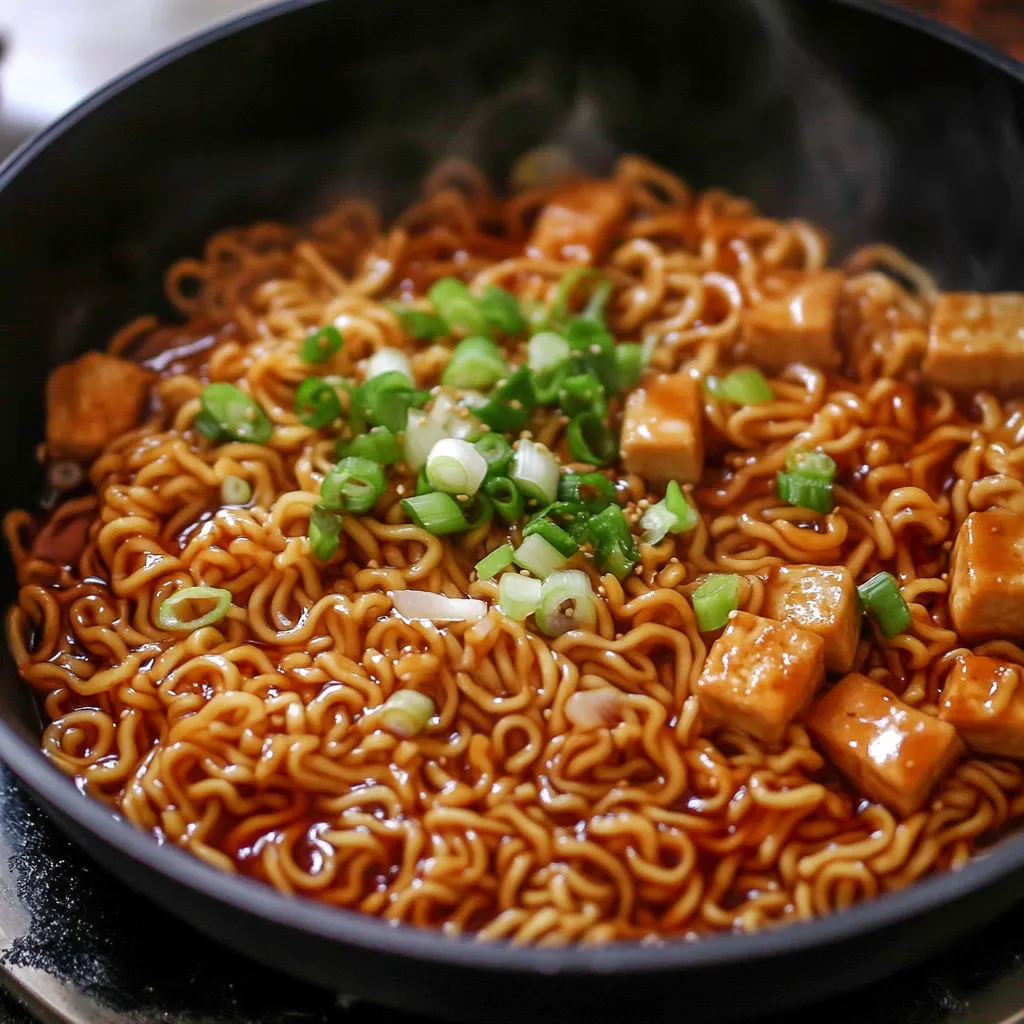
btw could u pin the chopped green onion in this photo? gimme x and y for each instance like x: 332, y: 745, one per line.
x: 571, y: 516
x: 561, y: 541
x: 594, y: 309
x: 456, y: 307
x: 546, y: 350
x: 235, y: 491
x: 476, y: 363
x: 518, y: 596
x: 490, y: 565
x: 479, y: 511
x: 629, y: 363
x: 805, y: 492
x: 316, y: 403
x: 497, y: 453
x: 538, y: 556
x: 169, y: 615
x: 353, y: 484
x: 815, y: 465
x: 712, y: 386
x: 206, y: 425
x: 388, y: 360
x: 435, y: 512
x: 673, y: 514
x: 417, y: 323
x: 884, y: 603
x: 508, y: 501
x: 324, y: 531
x: 509, y: 407
x: 594, y: 349
x: 421, y: 434
x: 422, y: 487
x: 589, y: 439
x: 385, y: 400
x: 406, y: 713
x: 714, y: 599
x: 236, y: 414
x: 379, y: 444
x: 455, y: 467
x: 614, y: 546
x: 564, y: 292
x: 593, y: 491
x: 547, y: 385
x: 582, y: 392
x: 501, y: 308
x: 747, y: 387
x: 535, y: 471
x: 566, y: 602
x: 319, y: 346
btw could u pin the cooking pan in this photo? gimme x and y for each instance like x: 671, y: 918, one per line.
x: 874, y: 122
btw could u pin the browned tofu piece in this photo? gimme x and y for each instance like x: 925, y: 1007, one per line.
x: 798, y: 326
x: 986, y: 584
x: 984, y: 701
x: 580, y: 221
x: 976, y: 341
x: 90, y: 402
x: 823, y: 599
x: 890, y: 751
x: 661, y: 437
x: 759, y: 675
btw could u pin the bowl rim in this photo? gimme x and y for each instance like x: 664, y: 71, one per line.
x: 353, y: 928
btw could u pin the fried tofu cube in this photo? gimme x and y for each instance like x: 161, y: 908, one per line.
x: 759, y: 675
x: 984, y: 701
x: 822, y: 599
x: 986, y: 584
x: 891, y: 752
x: 662, y: 438
x: 580, y: 221
x: 92, y: 401
x: 976, y: 341
x: 797, y: 326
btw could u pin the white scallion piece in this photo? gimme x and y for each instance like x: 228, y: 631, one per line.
x: 406, y: 713
x: 421, y: 604
x: 518, y: 596
x: 455, y: 467
x: 535, y: 471
x: 537, y: 556
x: 386, y: 360
x: 421, y: 434
x: 566, y: 602
x: 546, y: 350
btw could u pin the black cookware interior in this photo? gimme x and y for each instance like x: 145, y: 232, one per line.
x: 827, y: 110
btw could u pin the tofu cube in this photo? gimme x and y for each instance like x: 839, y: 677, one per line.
x: 662, y: 438
x: 797, y: 326
x: 759, y: 675
x: 986, y: 582
x: 92, y: 401
x: 891, y: 752
x: 580, y: 221
x: 976, y: 341
x: 822, y: 599
x: 984, y: 701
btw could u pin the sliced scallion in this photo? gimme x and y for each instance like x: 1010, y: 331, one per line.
x: 673, y: 514
x: 236, y: 414
x: 546, y: 350
x: 476, y: 363
x: 479, y: 511
x: 169, y: 616
x: 385, y: 400
x: 538, y: 556
x: 497, y: 453
x: 535, y: 471
x: 418, y: 323
x: 747, y: 387
x: 507, y: 499
x: 558, y: 538
x: 589, y: 439
x: 388, y: 360
x: 805, y: 492
x: 353, y: 485
x: 324, y: 532
x: 509, y: 407
x: 456, y: 307
x: 379, y: 444
x: 714, y: 599
x: 435, y: 512
x: 614, y: 546
x: 816, y: 465
x: 518, y: 596
x: 885, y: 604
x: 491, y: 564
x: 235, y: 491
x: 455, y: 467
x: 501, y: 308
x: 320, y: 345
x: 629, y: 363
x: 582, y: 392
x: 593, y: 491
x: 316, y: 403
x: 566, y: 602
x: 406, y: 713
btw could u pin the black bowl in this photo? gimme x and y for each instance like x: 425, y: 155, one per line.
x: 876, y: 123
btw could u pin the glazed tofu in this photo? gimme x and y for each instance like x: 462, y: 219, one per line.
x: 90, y: 402
x: 662, y: 438
x: 822, y: 599
x: 891, y: 752
x: 759, y: 675
x: 986, y: 584
x: 976, y: 341
x: 798, y: 326
x: 984, y: 701
x: 580, y: 221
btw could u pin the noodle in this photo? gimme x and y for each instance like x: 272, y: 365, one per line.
x: 256, y: 742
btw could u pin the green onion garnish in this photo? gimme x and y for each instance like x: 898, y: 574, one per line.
x: 589, y: 439
x: 388, y: 360
x: 673, y: 514
x: 804, y: 492
x: 422, y: 487
x: 614, y: 546
x: 564, y: 292
x: 455, y: 467
x: 353, y: 485
x: 538, y: 556
x: 741, y: 387
x: 479, y: 511
x: 593, y: 348
x: 169, y: 615
x: 422, y: 432
x: 497, y: 453
x: 507, y: 499
x: 816, y: 465
x: 545, y: 351
x: 547, y: 385
x: 436, y: 512
x: 490, y: 565
x: 379, y: 445
x: 629, y: 364
x: 316, y: 403
x: 235, y: 414
x: 509, y: 407
x: 518, y: 596
x: 385, y: 400
x: 884, y: 603
x: 566, y: 602
x: 235, y: 491
x: 593, y: 491
x: 582, y: 392
x: 476, y: 363
x: 406, y: 713
x: 417, y: 323
x: 324, y: 531
x: 456, y: 307
x: 561, y: 541
x: 714, y: 600
x: 501, y: 308
x: 535, y: 471
x: 319, y: 346
x: 571, y: 516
